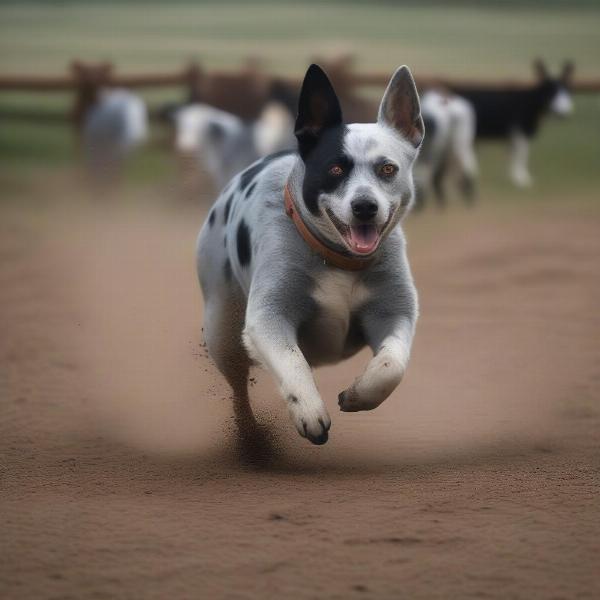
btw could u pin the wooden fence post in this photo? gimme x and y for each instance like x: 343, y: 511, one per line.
x: 89, y: 79
x: 194, y: 79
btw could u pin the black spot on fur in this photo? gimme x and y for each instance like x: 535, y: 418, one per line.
x: 227, y: 208
x: 211, y: 217
x: 271, y: 157
x: 227, y: 270
x: 243, y: 244
x: 251, y: 172
x: 291, y: 398
x: 327, y: 152
x: 250, y: 190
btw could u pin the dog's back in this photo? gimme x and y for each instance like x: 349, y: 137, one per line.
x: 251, y: 201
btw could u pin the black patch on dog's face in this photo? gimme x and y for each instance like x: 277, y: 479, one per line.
x: 250, y: 190
x: 329, y: 151
x: 211, y: 217
x: 243, y: 244
x: 227, y: 208
x: 227, y: 270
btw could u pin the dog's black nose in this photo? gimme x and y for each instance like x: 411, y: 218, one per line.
x: 364, y: 208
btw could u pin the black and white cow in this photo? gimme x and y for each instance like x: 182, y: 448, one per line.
x: 515, y: 113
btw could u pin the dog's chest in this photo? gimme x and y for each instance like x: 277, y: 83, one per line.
x: 328, y: 336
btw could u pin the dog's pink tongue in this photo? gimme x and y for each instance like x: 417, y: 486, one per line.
x: 364, y: 238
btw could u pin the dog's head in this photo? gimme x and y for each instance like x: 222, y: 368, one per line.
x: 358, y: 178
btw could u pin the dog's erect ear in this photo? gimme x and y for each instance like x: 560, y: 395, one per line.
x: 540, y: 70
x: 400, y: 107
x: 318, y: 108
x: 567, y: 72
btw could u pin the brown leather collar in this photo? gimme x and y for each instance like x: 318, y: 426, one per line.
x: 332, y: 257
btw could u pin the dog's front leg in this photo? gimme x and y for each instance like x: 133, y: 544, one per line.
x: 271, y: 339
x: 384, y: 371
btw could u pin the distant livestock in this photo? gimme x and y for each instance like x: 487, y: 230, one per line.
x: 448, y: 144
x: 224, y: 144
x: 515, y: 113
x: 112, y: 128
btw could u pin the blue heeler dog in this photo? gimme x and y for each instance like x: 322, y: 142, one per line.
x: 302, y: 261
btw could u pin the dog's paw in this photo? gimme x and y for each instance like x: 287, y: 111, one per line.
x: 311, y: 423
x: 380, y: 379
x: 350, y: 400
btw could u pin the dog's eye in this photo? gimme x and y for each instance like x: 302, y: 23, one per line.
x: 336, y: 170
x: 387, y: 170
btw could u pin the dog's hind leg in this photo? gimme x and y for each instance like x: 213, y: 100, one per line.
x: 223, y: 323
x: 223, y: 334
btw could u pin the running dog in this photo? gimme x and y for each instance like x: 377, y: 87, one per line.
x: 302, y: 261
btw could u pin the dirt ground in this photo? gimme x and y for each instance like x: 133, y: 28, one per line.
x: 120, y: 471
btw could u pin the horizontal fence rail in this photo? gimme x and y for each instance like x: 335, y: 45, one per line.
x: 243, y: 92
x: 144, y: 80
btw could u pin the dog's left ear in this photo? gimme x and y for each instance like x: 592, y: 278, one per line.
x: 318, y: 109
x: 400, y: 107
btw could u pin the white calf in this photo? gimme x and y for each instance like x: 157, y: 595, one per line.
x: 115, y: 125
x: 449, y: 139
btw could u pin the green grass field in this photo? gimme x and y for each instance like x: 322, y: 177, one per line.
x: 495, y: 40
x: 486, y: 39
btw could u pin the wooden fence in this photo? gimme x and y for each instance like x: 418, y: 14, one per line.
x: 242, y: 92
x: 56, y: 83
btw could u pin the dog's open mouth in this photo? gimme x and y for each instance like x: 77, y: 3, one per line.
x: 362, y: 238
